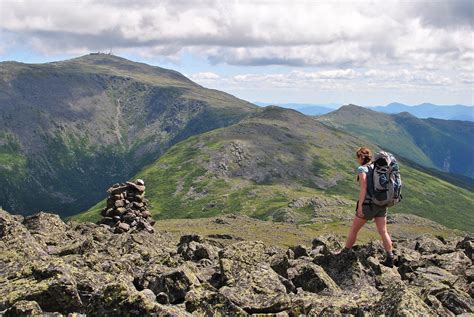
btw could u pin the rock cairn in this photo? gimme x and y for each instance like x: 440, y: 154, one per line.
x: 127, y: 208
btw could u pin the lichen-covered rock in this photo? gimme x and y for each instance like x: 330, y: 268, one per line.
x: 78, y: 269
x: 75, y: 275
x: 446, y: 301
x: 467, y: 245
x: 175, y: 283
x: 326, y: 244
x: 257, y: 290
x: 346, y: 270
x: 246, y: 253
x: 456, y: 301
x: 194, y: 248
x: 428, y: 244
x: 24, y: 308
x: 249, y: 281
x: 455, y: 262
x: 280, y: 263
x: 47, y: 228
x: 311, y: 277
x: 309, y: 304
x: 427, y: 275
x: 399, y: 300
x: 204, y: 301
x: 119, y: 298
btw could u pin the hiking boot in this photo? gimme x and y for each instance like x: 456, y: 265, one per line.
x: 388, y: 261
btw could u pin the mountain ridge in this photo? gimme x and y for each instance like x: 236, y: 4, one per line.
x: 93, y: 115
x: 282, y: 165
x: 438, y: 143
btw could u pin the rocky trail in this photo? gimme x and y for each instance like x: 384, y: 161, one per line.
x: 52, y: 268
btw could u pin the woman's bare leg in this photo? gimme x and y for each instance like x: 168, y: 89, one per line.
x: 381, y: 223
x: 356, y: 225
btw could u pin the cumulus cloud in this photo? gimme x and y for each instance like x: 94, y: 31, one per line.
x: 445, y: 14
x: 204, y: 76
x: 305, y: 33
x: 336, y: 79
x: 405, y: 43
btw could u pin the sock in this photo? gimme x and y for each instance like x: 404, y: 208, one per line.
x: 389, y: 254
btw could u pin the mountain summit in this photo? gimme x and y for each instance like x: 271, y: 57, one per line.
x: 70, y: 129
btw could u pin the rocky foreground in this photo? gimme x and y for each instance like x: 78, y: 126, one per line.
x: 51, y: 268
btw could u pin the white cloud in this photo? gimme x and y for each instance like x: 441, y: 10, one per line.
x: 331, y: 33
x: 204, y: 76
x: 328, y: 44
x: 332, y: 79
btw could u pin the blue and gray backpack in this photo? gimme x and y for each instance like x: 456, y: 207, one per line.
x: 384, y: 183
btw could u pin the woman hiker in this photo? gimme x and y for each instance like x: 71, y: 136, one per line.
x: 366, y: 211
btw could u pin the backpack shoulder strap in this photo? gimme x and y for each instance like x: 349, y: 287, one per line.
x: 370, y: 180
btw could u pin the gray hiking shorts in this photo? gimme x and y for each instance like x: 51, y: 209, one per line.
x: 371, y: 211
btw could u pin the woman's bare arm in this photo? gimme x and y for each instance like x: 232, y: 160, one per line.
x: 362, y: 191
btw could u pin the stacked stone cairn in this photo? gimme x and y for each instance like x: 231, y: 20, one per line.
x: 127, y: 208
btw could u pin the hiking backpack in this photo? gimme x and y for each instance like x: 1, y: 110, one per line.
x: 384, y: 183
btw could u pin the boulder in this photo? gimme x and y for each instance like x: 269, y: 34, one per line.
x: 148, y: 293
x: 49, y: 228
x: 299, y: 251
x: 467, y: 245
x: 194, y: 248
x: 258, y: 290
x: 456, y: 301
x: 326, y: 244
x: 346, y: 270
x: 204, y: 301
x: 311, y: 277
x: 456, y: 262
x: 24, y: 308
x: 429, y: 244
x: 399, y: 300
x: 425, y: 276
x: 280, y: 264
x: 175, y: 283
x: 248, y: 279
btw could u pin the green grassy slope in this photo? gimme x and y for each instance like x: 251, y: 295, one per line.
x: 69, y: 129
x: 260, y: 165
x: 442, y: 144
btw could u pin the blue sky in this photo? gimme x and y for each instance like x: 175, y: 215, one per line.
x: 361, y: 52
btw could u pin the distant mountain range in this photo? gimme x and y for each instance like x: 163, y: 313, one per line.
x: 443, y: 144
x: 429, y: 110
x: 422, y: 111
